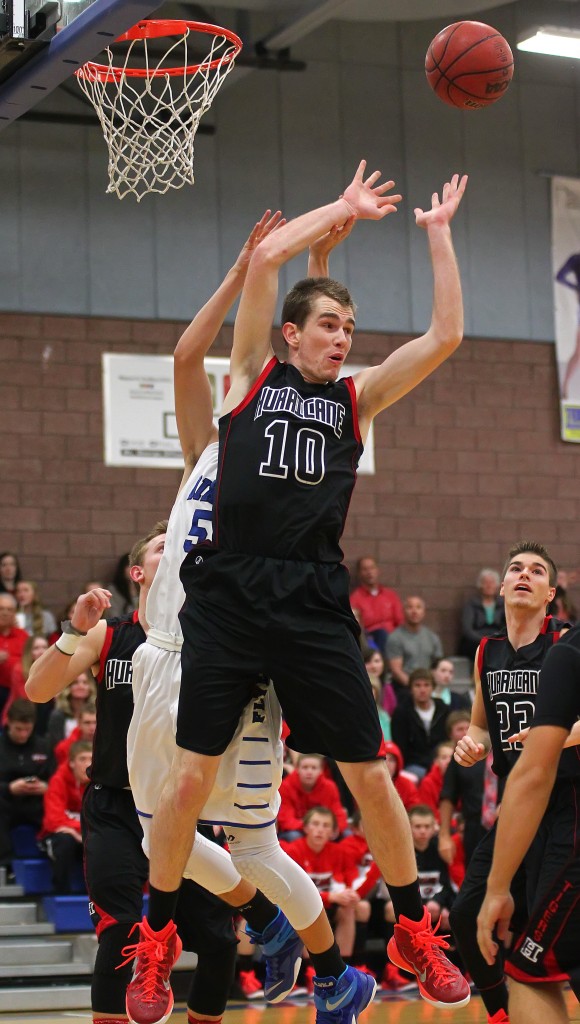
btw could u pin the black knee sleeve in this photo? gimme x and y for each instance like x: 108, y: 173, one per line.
x: 109, y: 985
x: 212, y: 981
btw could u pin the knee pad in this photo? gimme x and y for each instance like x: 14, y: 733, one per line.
x: 211, y: 867
x: 109, y: 985
x: 261, y: 860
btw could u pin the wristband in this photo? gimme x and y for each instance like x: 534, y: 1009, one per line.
x: 67, y: 643
x: 67, y: 627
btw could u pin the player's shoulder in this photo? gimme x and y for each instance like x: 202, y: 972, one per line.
x: 571, y: 637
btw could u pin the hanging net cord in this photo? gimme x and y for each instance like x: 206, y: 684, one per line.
x: 149, y: 116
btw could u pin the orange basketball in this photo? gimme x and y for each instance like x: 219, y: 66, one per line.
x: 469, y: 65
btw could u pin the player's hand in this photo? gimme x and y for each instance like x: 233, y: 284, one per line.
x: 468, y: 752
x: 89, y: 608
x: 519, y: 737
x: 366, y: 199
x: 447, y: 849
x: 442, y: 211
x: 320, y: 249
x: 496, y: 911
x: 268, y: 222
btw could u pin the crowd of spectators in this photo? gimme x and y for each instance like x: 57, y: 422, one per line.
x: 45, y: 751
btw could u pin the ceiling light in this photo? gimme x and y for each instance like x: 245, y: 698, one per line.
x: 559, y: 42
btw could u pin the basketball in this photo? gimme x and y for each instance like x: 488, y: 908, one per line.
x: 469, y: 65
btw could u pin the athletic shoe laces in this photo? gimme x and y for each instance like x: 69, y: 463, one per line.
x: 150, y: 955
x: 428, y: 946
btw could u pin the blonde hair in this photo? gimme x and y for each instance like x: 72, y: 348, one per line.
x: 64, y: 702
x: 138, y: 550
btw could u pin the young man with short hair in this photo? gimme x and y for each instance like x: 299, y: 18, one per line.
x: 508, y: 669
x: 61, y: 825
x: 304, y: 788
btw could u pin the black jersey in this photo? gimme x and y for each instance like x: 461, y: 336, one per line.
x: 115, y: 701
x: 559, y: 700
x: 288, y: 456
x: 509, y: 686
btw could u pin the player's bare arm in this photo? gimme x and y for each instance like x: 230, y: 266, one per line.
x: 445, y: 844
x: 524, y: 802
x: 54, y: 671
x: 321, y: 249
x: 476, y: 743
x: 363, y: 199
x: 380, y: 386
x: 195, y: 418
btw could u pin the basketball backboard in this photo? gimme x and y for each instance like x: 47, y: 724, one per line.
x: 42, y: 42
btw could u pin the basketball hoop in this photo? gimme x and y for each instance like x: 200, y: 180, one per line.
x: 150, y: 113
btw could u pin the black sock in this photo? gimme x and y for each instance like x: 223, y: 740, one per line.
x: 406, y: 900
x: 259, y: 912
x: 495, y: 999
x: 328, y: 964
x: 162, y: 906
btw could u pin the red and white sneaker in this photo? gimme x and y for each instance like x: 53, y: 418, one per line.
x: 250, y: 986
x: 392, y: 981
x: 149, y: 995
x: 500, y: 1017
x: 416, y: 948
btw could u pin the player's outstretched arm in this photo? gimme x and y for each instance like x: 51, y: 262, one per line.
x: 523, y: 804
x: 362, y: 199
x: 53, y: 671
x: 321, y: 249
x: 380, y: 386
x: 566, y: 274
x: 193, y: 398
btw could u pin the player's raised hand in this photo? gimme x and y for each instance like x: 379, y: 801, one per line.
x: 442, y: 210
x: 268, y: 222
x: 320, y: 249
x: 89, y: 608
x: 496, y: 911
x: 468, y: 752
x: 366, y: 199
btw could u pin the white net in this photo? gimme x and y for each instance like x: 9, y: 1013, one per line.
x: 150, y: 113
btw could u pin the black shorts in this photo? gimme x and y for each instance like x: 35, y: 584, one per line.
x: 548, y: 948
x: 246, y: 616
x: 116, y: 869
x: 473, y: 888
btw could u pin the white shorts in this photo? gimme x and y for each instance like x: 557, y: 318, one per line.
x: 245, y: 794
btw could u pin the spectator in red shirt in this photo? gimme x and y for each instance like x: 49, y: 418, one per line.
x: 32, y: 650
x: 85, y: 730
x: 12, y: 640
x: 304, y: 788
x: 431, y: 784
x: 404, y: 785
x: 327, y: 866
x: 61, y: 826
x: 378, y: 609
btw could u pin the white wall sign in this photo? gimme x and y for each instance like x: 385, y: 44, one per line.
x: 139, y: 414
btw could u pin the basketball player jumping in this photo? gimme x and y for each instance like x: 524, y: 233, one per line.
x: 244, y: 799
x: 508, y: 670
x: 541, y: 800
x: 272, y: 595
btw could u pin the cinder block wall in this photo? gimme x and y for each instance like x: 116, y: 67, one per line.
x: 466, y: 464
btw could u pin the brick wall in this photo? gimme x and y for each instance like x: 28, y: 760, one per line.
x: 466, y: 464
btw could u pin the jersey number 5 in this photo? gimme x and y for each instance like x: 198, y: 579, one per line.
x: 309, y: 464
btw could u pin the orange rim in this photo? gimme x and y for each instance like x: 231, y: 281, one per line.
x: 159, y: 29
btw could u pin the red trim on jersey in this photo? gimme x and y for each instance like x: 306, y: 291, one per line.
x: 532, y: 979
x: 135, y: 617
x: 256, y: 386
x: 105, y: 652
x: 349, y: 381
x: 382, y: 751
x: 482, y: 644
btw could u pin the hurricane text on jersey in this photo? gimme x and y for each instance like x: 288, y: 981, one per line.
x: 293, y: 446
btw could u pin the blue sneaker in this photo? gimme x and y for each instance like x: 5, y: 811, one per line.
x: 340, y: 1001
x: 282, y: 949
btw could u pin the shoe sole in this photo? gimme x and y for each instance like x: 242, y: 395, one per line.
x: 371, y: 996
x: 162, y: 1020
x: 396, y: 959
x: 287, y: 991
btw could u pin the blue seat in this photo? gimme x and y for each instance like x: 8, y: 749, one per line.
x: 24, y: 841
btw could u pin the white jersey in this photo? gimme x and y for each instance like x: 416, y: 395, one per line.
x: 190, y: 523
x: 245, y: 792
